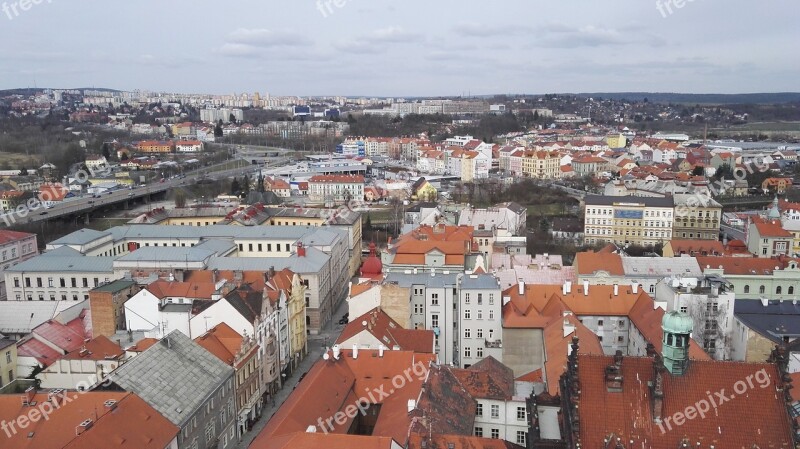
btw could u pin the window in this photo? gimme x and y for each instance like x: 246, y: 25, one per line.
x: 62, y: 282
x: 747, y: 289
x: 38, y: 282
x: 50, y: 282
x: 434, y: 320
x: 491, y: 298
x: 210, y: 431
x: 521, y: 438
x: 684, y: 309
x: 467, y: 333
x: 762, y: 289
x: 480, y: 314
x: 480, y: 298
x: 288, y: 248
x: 8, y: 356
x: 599, y: 322
x: 778, y: 290
x: 495, y: 411
x: 479, y: 410
x: 417, y: 309
x: 467, y: 352
x: 86, y: 282
x: 434, y: 299
x: 521, y: 413
x: 790, y: 290
x: 479, y: 353
x: 479, y: 431
x: 480, y: 333
x: 467, y: 314
x: 491, y: 314
x: 466, y: 298
x: 495, y: 434
x: 250, y: 247
x: 16, y: 282
x: 259, y: 247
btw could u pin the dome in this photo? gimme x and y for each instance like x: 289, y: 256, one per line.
x: 677, y: 323
x: 372, y: 266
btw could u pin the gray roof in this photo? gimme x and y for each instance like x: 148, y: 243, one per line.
x: 64, y: 251
x: 168, y: 254
x: 115, y: 286
x: 64, y: 264
x: 661, y: 267
x: 774, y: 321
x: 314, y: 261
x: 602, y: 200
x: 21, y: 317
x: 438, y: 281
x: 175, y: 376
x: 209, y: 232
x: 695, y: 200
x: 479, y: 282
x: 82, y: 237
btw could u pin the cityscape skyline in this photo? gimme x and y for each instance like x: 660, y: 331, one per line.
x: 385, y: 48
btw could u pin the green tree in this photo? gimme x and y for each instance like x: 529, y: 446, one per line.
x: 180, y: 199
x: 23, y: 172
x: 236, y: 188
x: 246, y: 185
x: 106, y: 151
x: 218, y: 130
x: 698, y: 171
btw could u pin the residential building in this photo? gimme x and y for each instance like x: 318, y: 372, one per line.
x: 60, y: 275
x: 709, y: 302
x: 188, y: 386
x: 628, y: 220
x: 767, y: 238
x: 439, y: 247
x: 541, y: 164
x: 479, y: 321
x: 696, y: 217
x: 241, y: 353
x: 760, y: 326
x: 188, y: 146
x: 376, y: 329
x: 335, y: 189
x: 83, y: 367
x: 756, y: 278
x: 155, y: 146
x: 8, y: 361
x: 776, y: 185
x: 507, y: 216
x: 15, y: 247
x: 107, y: 303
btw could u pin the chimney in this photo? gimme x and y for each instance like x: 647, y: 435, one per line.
x: 585, y: 288
x: 83, y: 427
x: 30, y: 392
x: 301, y: 250
x: 658, y: 390
x: 567, y: 289
x: 214, y: 274
x: 412, y: 404
x: 336, y: 352
x: 613, y: 374
x: 521, y: 286
x: 380, y: 350
x: 635, y: 288
x: 355, y: 351
x: 271, y: 272
x: 616, y: 289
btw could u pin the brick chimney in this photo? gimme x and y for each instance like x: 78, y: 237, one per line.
x: 301, y: 250
x: 613, y: 374
x: 658, y: 388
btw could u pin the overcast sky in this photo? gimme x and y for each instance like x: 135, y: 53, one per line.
x: 403, y: 47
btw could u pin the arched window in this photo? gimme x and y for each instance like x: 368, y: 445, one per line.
x: 747, y: 289
x: 762, y: 289
x: 778, y: 290
x: 791, y: 290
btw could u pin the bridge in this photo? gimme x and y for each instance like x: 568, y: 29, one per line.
x: 87, y: 204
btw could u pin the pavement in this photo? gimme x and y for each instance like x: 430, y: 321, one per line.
x: 316, y: 347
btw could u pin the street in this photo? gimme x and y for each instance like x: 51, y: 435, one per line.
x: 316, y: 345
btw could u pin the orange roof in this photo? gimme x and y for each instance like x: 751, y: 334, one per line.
x: 386, y: 330
x: 198, y: 290
x: 771, y: 228
x: 420, y: 441
x: 132, y: 424
x: 100, y: 348
x: 222, y: 341
x: 143, y: 345
x: 742, y: 265
x: 589, y: 263
x: 699, y: 247
x: 759, y: 420
x: 340, y: 179
x: 557, y: 346
x: 332, y: 385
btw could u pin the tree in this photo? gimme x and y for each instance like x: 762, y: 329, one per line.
x: 236, y: 189
x: 698, y: 171
x: 106, y: 151
x: 232, y: 118
x: 23, y: 172
x: 218, y: 130
x: 180, y: 199
x: 535, y: 116
x: 724, y: 172
x: 246, y: 185
x: 124, y: 157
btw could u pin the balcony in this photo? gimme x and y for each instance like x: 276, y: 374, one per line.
x: 496, y: 344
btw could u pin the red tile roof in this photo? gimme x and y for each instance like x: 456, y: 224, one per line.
x: 222, y: 341
x: 742, y: 265
x: 132, y: 424
x: 100, y: 348
x: 756, y: 417
x: 589, y: 263
x: 197, y: 290
x: 388, y: 332
x: 13, y: 236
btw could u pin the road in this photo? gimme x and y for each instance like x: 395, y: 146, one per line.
x: 316, y: 347
x: 87, y: 202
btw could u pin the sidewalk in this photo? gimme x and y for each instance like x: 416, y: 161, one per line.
x: 315, y: 350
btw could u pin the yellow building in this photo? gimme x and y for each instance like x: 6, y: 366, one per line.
x: 541, y: 164
x: 616, y: 141
x: 8, y: 361
x: 298, y: 339
x: 424, y: 191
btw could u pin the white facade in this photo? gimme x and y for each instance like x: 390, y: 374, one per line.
x: 479, y: 320
x: 69, y: 373
x: 505, y: 420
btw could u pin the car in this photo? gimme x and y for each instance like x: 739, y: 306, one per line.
x: 43, y: 213
x: 91, y: 202
x: 130, y: 193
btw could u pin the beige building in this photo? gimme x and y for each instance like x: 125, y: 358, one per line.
x: 541, y: 164
x: 697, y: 217
x: 8, y: 361
x: 628, y: 220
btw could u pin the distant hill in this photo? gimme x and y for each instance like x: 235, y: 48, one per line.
x: 30, y: 90
x: 661, y: 97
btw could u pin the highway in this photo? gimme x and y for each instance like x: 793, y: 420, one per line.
x: 88, y: 203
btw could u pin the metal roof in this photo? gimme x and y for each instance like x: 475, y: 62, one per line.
x: 175, y: 376
x: 314, y: 261
x: 47, y: 263
x: 602, y: 200
x: 21, y: 317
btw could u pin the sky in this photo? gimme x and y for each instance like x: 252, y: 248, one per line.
x: 402, y: 48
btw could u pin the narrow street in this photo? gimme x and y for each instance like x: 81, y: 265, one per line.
x: 316, y: 345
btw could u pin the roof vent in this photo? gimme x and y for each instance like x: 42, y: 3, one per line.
x: 311, y: 429
x: 83, y: 427
x: 110, y: 404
